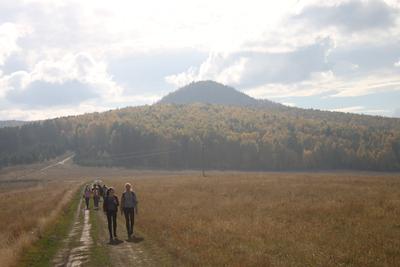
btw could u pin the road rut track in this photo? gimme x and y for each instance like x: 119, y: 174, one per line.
x: 135, y: 252
x: 76, y: 248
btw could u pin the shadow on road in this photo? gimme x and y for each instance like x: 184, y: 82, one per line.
x: 115, y: 242
x: 135, y: 239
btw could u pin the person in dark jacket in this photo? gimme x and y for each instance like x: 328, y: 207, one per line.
x: 101, y: 191
x: 110, y: 207
x: 129, y: 207
x: 86, y: 195
x: 104, y: 191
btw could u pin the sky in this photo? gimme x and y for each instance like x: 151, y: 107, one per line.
x: 70, y: 57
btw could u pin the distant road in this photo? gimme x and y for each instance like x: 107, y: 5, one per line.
x: 62, y: 162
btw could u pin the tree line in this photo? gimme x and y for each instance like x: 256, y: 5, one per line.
x: 169, y: 136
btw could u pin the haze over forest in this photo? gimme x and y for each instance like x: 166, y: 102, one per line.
x: 209, y: 125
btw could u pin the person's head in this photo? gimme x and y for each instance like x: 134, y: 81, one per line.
x: 110, y: 192
x: 128, y: 187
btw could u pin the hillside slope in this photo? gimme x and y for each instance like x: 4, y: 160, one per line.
x: 210, y: 92
x: 12, y: 123
x: 173, y: 137
x: 227, y: 136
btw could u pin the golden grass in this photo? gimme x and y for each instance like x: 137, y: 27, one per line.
x: 272, y: 219
x: 25, y: 214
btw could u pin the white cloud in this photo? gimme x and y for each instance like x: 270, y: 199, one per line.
x: 350, y: 16
x: 9, y: 34
x: 326, y: 83
x: 373, y: 84
x: 18, y: 79
x: 289, y: 104
x: 319, y: 83
x: 183, y: 78
x: 80, y: 67
x: 254, y: 68
x: 148, y: 25
x: 234, y: 73
x: 40, y: 114
x: 362, y: 110
x: 254, y: 45
x: 11, y: 112
x: 340, y: 58
x: 349, y: 109
x: 218, y: 66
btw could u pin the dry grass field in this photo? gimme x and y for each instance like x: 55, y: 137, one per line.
x: 227, y: 218
x: 31, y: 201
x: 271, y: 219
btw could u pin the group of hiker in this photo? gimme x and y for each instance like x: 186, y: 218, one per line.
x: 111, y: 204
x: 96, y: 191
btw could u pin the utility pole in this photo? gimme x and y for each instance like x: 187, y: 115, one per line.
x: 202, y: 160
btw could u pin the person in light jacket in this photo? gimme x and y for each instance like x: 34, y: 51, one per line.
x: 129, y: 207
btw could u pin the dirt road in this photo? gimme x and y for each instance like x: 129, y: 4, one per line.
x: 62, y: 162
x: 76, y: 248
x: 136, y: 252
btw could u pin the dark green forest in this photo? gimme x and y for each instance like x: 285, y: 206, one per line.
x: 169, y: 136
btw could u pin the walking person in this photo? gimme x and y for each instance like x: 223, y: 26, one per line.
x: 87, y: 193
x: 96, y: 197
x: 104, y: 189
x: 101, y: 191
x: 110, y: 207
x: 129, y: 206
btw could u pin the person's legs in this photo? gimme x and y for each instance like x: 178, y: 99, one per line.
x: 115, y: 224
x: 126, y: 213
x: 109, y: 222
x: 87, y: 202
x: 132, y: 219
x: 96, y: 202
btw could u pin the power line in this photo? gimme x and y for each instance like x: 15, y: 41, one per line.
x: 134, y: 153
x: 34, y: 171
x: 143, y: 155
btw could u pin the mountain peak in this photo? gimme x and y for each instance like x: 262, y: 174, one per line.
x: 209, y: 92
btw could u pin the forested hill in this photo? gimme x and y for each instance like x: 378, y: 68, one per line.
x: 171, y: 136
x: 210, y: 92
x: 12, y: 123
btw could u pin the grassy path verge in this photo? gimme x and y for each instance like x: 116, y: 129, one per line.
x: 43, y: 250
x: 99, y: 253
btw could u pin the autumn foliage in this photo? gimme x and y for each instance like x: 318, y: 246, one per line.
x: 169, y: 136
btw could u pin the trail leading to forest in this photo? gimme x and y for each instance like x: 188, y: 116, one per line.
x: 76, y: 248
x: 126, y: 252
